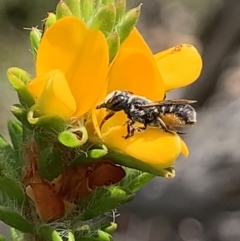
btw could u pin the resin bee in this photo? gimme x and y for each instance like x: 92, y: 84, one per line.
x: 165, y: 114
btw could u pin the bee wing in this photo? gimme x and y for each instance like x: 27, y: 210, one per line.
x: 168, y: 102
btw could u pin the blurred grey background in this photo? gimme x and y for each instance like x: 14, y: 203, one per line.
x: 202, y: 203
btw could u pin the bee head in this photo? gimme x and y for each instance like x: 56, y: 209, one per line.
x: 115, y: 101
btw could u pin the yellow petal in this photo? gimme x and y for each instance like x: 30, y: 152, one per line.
x: 60, y: 44
x: 136, y: 71
x: 57, y: 98
x: 184, y: 148
x: 37, y: 85
x: 135, y: 40
x: 88, y: 75
x: 153, y: 146
x: 179, y: 66
x: 81, y: 54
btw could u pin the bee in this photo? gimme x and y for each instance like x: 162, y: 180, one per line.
x: 164, y: 114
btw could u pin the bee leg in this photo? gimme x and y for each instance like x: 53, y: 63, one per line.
x: 176, y: 131
x: 130, y: 129
x: 107, y: 117
x: 163, y: 126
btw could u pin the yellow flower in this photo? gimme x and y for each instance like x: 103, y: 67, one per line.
x: 71, y: 69
x: 136, y: 69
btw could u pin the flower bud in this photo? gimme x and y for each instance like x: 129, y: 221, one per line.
x: 109, y: 227
x: 104, y: 236
x: 21, y: 114
x: 74, y: 6
x: 62, y: 10
x: 51, y: 19
x: 86, y: 9
x: 128, y: 22
x: 18, y: 79
x: 35, y: 38
x: 113, y: 42
x: 120, y: 9
x: 104, y: 19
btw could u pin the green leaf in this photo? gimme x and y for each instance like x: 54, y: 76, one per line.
x: 50, y: 163
x: 113, y: 42
x: 74, y: 6
x: 12, y: 190
x: 16, y: 134
x: 49, y: 234
x: 135, y: 180
x: 15, y: 220
x: 128, y: 161
x: 105, y: 199
x: 2, y: 238
x: 8, y: 158
x: 72, y: 139
x: 15, y: 131
x: 62, y: 10
x: 128, y: 22
x: 104, y: 19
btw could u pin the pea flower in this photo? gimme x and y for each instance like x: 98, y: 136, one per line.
x: 136, y: 69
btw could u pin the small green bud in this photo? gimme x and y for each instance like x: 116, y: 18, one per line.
x: 120, y: 10
x: 35, y: 38
x: 51, y: 19
x: 71, y: 236
x: 71, y: 139
x: 98, y: 153
x: 49, y: 234
x: 21, y: 114
x: 15, y: 220
x: 110, y: 227
x: 62, y: 10
x: 104, y: 236
x: 104, y: 19
x: 50, y: 163
x: 18, y: 81
x: 74, y: 6
x: 86, y: 9
x: 128, y: 22
x: 49, y: 123
x: 113, y: 42
x: 20, y: 74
